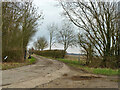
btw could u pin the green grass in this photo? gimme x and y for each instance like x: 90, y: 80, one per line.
x: 32, y: 60
x: 102, y: 71
x: 106, y: 71
x: 11, y: 65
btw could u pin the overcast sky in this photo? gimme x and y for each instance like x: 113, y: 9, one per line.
x: 52, y: 14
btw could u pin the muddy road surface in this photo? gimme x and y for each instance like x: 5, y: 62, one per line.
x: 47, y: 73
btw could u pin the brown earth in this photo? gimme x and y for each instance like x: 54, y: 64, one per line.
x: 80, y: 79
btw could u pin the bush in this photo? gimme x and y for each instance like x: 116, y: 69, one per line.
x: 13, y: 56
x: 51, y: 53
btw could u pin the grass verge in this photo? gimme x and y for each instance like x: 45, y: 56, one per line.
x: 11, y: 65
x: 102, y: 71
x: 80, y: 65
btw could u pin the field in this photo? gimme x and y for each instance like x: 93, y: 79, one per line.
x: 75, y: 57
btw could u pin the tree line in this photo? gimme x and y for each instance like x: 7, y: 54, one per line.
x: 19, y: 25
x: 99, y: 24
x: 100, y: 31
x: 63, y: 34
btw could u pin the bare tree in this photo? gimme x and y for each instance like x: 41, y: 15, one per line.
x: 98, y: 21
x: 30, y: 22
x: 52, y: 29
x: 41, y: 43
x: 87, y: 48
x: 66, y: 36
x: 35, y: 45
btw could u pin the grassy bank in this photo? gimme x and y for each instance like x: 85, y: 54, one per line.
x: 102, y: 71
x: 10, y: 65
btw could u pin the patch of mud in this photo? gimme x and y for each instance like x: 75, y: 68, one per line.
x: 65, y: 74
x: 6, y: 84
x: 77, y: 78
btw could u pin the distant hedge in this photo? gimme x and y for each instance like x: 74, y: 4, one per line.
x: 51, y: 53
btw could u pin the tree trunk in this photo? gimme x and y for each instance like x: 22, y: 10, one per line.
x: 87, y: 60
x: 103, y: 63
x: 50, y: 46
x: 118, y: 61
x: 50, y: 43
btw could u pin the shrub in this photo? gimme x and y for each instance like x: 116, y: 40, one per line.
x: 51, y: 53
x: 13, y: 56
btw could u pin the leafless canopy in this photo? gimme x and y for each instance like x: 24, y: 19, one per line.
x: 98, y: 22
x: 52, y: 28
x: 66, y: 35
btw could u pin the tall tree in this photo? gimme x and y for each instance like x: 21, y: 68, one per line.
x: 119, y: 34
x: 87, y: 48
x: 99, y: 21
x: 52, y: 29
x: 19, y: 24
x: 35, y: 45
x: 41, y: 43
x: 11, y: 34
x: 66, y: 36
x: 30, y: 24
